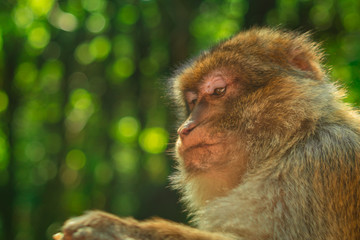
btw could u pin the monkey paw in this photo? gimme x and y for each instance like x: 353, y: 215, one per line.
x: 96, y: 225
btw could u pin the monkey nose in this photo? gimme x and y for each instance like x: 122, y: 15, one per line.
x: 186, y: 128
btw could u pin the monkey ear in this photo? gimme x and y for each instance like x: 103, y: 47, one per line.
x: 307, y: 60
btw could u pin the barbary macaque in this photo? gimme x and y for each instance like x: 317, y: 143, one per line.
x: 268, y: 150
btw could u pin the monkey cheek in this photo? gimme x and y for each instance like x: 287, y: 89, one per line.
x: 200, y: 158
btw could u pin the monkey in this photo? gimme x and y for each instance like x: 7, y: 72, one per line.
x: 267, y: 148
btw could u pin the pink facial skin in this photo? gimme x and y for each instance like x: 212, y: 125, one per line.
x: 199, y: 144
x: 211, y: 85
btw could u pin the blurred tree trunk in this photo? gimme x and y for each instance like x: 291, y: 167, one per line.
x: 7, y: 192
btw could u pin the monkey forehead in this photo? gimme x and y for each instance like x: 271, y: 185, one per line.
x: 212, y: 81
x: 208, y: 69
x: 249, y: 52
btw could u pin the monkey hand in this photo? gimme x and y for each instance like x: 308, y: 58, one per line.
x: 97, y: 225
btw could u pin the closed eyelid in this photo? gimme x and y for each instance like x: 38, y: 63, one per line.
x: 213, y: 84
x: 190, y: 96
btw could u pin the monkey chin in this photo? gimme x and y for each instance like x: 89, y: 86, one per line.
x: 206, y: 170
x: 201, y: 156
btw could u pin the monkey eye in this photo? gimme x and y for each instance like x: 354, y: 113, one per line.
x: 219, y: 91
x: 191, y: 98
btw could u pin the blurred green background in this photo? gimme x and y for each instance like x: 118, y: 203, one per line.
x: 84, y: 123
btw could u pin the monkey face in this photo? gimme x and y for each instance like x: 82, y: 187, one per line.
x: 203, y: 143
x: 244, y: 93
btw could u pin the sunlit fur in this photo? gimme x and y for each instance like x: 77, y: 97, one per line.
x: 296, y: 145
x: 303, y: 176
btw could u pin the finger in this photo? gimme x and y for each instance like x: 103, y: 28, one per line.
x: 58, y: 236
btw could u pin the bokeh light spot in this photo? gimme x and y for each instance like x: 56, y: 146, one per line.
x: 123, y: 67
x: 75, y: 159
x: 38, y: 37
x: 83, y: 55
x: 351, y: 21
x: 67, y: 22
x: 128, y: 14
x: 100, y: 47
x: 151, y: 14
x: 41, y: 7
x: 23, y: 16
x: 154, y: 140
x: 95, y: 23
x: 127, y: 129
x: 35, y: 151
x: 50, y: 75
x: 321, y: 15
x: 81, y: 99
x: 25, y: 76
x: 156, y: 167
x: 93, y: 5
x: 69, y: 177
x: 82, y: 109
x: 126, y: 160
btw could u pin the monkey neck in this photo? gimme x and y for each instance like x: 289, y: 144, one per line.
x: 199, y: 188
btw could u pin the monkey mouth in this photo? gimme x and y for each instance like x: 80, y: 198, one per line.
x: 201, y: 145
x: 182, y: 148
x: 200, y: 156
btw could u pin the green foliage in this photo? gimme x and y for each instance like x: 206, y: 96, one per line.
x: 83, y: 124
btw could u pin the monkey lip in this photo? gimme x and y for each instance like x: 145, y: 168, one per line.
x: 202, y: 145
x: 188, y: 147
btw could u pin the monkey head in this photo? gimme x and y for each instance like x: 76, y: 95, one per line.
x: 243, y: 101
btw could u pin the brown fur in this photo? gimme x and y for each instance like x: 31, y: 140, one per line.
x: 284, y: 157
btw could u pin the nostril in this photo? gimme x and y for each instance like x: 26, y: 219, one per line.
x: 184, y: 131
x: 186, y: 128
